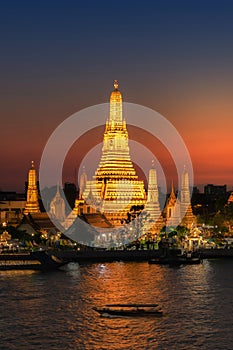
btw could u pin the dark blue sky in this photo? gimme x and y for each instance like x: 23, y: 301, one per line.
x: 59, y: 56
x: 76, y: 40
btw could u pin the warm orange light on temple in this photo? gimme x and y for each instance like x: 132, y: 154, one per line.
x: 115, y: 187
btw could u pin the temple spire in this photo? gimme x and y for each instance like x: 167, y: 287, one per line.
x: 152, y: 208
x: 115, y: 84
x: 32, y: 204
x: 83, y: 181
x: 185, y: 194
x: 172, y: 195
x: 188, y: 219
x: 152, y: 185
x: 57, y: 206
x: 115, y: 187
x: 115, y: 118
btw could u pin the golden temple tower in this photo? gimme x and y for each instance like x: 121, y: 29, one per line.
x: 32, y: 204
x: 115, y: 187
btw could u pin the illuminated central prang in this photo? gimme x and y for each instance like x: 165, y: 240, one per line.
x: 115, y: 187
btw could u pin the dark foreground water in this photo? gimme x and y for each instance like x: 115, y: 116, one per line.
x: 54, y: 310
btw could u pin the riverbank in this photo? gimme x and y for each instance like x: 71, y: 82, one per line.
x: 129, y: 255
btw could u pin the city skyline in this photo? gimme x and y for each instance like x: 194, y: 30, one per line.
x: 173, y: 58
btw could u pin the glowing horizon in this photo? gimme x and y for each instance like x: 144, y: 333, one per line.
x: 168, y: 63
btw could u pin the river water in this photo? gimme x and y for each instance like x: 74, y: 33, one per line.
x: 54, y: 310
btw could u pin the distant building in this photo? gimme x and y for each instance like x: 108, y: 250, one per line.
x: 12, y: 196
x: 12, y: 206
x: 215, y: 190
x: 11, y: 212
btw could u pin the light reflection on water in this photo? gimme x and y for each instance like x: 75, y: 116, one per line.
x: 54, y: 310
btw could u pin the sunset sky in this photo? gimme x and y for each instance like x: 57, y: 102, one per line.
x: 174, y: 56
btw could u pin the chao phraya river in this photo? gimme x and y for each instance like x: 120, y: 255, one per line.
x: 54, y: 310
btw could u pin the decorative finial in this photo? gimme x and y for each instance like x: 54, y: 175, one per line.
x: 115, y: 85
x: 153, y: 163
x: 32, y: 163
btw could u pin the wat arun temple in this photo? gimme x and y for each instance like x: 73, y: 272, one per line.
x: 108, y: 199
x: 115, y: 188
